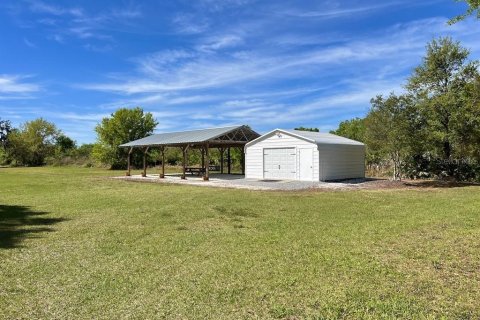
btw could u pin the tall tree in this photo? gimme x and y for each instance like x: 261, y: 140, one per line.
x: 473, y: 9
x: 439, y: 85
x: 387, y: 129
x: 352, y: 129
x: 123, y: 126
x: 65, y: 143
x: 468, y: 129
x: 33, y: 142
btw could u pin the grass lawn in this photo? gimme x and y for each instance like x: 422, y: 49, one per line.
x: 74, y: 244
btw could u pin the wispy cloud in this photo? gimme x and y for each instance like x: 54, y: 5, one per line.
x: 159, y: 63
x: 188, y: 23
x: 337, y: 12
x: 219, y: 5
x: 28, y: 43
x: 95, y: 117
x: 42, y: 7
x: 14, y: 86
x: 56, y: 37
x: 220, y: 42
x: 59, y: 23
x: 129, y: 12
x: 181, y: 70
x: 98, y: 48
x: 333, y: 9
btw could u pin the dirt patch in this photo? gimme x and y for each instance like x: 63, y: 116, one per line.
x: 378, y: 184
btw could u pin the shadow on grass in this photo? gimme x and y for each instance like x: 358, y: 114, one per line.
x: 18, y: 223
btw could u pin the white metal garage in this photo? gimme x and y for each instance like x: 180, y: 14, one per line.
x: 303, y: 155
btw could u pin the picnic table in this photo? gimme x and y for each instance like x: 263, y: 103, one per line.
x: 199, y: 170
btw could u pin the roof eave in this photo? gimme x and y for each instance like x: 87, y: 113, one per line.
x: 278, y: 130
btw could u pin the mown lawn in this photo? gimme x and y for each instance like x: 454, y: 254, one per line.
x: 74, y: 244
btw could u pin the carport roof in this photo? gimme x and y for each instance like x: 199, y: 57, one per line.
x: 232, y: 135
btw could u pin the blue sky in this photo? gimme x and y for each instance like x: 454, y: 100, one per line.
x: 205, y: 63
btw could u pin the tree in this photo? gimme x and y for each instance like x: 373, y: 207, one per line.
x: 352, y: 129
x: 434, y: 128
x: 473, y: 9
x: 33, y: 142
x: 5, y: 129
x: 387, y: 129
x: 65, y: 144
x: 355, y: 129
x: 307, y: 129
x: 440, y: 86
x: 468, y: 130
x: 123, y: 126
x: 84, y: 151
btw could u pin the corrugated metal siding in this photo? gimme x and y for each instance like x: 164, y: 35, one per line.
x: 254, y: 154
x: 341, y: 162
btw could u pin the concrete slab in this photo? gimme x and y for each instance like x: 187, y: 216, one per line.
x: 239, y: 182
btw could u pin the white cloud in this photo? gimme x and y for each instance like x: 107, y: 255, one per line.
x: 82, y: 116
x: 334, y: 9
x: 187, y: 23
x: 182, y: 70
x: 98, y: 48
x: 221, y: 42
x: 58, y: 22
x: 159, y: 63
x: 219, y: 5
x: 16, y: 84
x: 42, y: 7
x: 337, y: 12
x: 28, y: 43
x: 57, y: 38
x: 128, y: 12
x: 47, y: 21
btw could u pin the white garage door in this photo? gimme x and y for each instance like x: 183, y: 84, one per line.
x: 279, y: 163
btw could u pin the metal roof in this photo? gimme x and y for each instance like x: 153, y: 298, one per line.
x: 196, y: 136
x: 314, y: 137
x: 324, y: 138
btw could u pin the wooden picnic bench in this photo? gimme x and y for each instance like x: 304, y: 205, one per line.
x: 199, y: 170
x: 195, y: 170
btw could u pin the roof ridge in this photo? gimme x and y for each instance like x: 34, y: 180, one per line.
x: 311, y: 136
x: 201, y: 129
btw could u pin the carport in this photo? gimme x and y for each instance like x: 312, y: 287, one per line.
x: 223, y: 139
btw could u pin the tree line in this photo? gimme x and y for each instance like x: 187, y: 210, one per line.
x: 39, y: 142
x: 432, y: 130
x: 36, y: 143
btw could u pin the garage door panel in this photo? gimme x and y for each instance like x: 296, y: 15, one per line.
x: 279, y: 163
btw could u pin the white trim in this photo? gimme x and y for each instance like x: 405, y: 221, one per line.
x: 268, y: 134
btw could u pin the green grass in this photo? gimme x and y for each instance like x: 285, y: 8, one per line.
x: 74, y: 244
